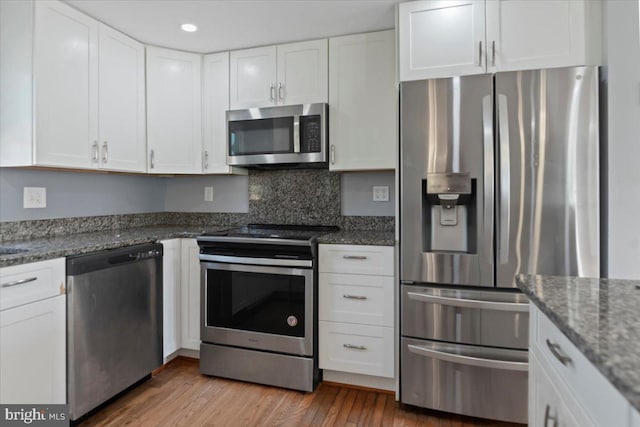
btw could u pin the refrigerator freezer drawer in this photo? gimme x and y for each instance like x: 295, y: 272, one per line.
x: 474, y: 381
x: 488, y: 318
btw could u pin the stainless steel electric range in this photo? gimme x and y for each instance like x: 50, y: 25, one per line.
x: 259, y: 304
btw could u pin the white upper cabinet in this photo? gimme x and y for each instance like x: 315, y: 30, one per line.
x: 303, y: 72
x: 363, y: 102
x: 215, y: 103
x: 121, y: 129
x: 454, y: 38
x: 65, y: 86
x: 253, y: 77
x: 87, y: 106
x: 294, y: 73
x: 527, y: 34
x: 174, y: 111
x: 439, y: 38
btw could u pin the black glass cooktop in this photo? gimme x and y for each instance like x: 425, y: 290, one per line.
x: 276, y: 231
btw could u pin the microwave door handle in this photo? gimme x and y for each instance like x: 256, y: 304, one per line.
x: 296, y: 134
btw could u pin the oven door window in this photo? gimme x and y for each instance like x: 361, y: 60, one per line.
x: 257, y: 302
x: 261, y: 136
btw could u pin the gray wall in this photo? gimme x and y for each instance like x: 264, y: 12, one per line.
x: 622, y: 75
x: 357, y: 193
x: 186, y: 194
x: 71, y: 194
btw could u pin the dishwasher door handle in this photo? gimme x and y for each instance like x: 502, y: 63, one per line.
x: 121, y: 259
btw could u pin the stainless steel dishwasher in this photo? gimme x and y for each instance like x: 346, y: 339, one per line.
x: 114, y: 323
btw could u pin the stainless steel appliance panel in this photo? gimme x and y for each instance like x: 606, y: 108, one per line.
x: 237, y: 336
x: 447, y: 129
x: 258, y: 366
x: 477, y: 381
x: 548, y: 174
x: 114, y: 323
x: 288, y: 137
x: 486, y: 318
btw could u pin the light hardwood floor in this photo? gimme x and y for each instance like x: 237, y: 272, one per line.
x: 179, y: 395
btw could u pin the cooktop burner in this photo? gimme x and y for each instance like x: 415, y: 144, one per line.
x: 276, y: 231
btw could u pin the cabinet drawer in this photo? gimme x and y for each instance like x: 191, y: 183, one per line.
x: 358, y: 349
x: 22, y: 284
x: 353, y: 259
x: 356, y: 299
x: 601, y: 401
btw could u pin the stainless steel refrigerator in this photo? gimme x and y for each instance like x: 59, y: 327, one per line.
x: 499, y: 177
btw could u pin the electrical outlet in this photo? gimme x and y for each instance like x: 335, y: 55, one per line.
x: 208, y: 194
x: 34, y: 197
x: 381, y: 194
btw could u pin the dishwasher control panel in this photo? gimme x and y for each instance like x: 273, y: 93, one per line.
x: 150, y: 254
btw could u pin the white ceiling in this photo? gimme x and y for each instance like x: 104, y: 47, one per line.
x: 228, y: 24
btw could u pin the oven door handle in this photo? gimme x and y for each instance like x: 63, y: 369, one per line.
x: 277, y: 262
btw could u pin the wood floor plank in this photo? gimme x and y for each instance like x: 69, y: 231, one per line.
x: 179, y: 395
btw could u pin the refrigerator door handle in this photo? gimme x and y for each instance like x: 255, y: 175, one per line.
x: 487, y: 124
x: 469, y: 360
x: 470, y: 303
x: 505, y: 180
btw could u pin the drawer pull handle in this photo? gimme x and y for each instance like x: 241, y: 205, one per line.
x: 347, y: 296
x: 360, y: 257
x: 547, y: 417
x: 354, y: 347
x: 515, y: 307
x: 19, y: 282
x: 558, y: 353
x: 480, y: 362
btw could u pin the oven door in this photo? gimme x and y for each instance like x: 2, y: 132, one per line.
x: 259, y: 307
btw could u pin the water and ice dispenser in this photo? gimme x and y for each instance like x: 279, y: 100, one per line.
x: 449, y: 213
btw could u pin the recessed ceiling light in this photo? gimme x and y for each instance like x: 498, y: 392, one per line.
x: 189, y: 28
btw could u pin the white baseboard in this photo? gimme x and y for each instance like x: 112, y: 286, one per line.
x: 380, y: 383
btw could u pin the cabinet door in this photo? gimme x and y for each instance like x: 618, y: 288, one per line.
x: 441, y: 38
x: 303, y: 72
x: 253, y: 77
x: 122, y: 104
x: 363, y: 102
x: 190, y: 295
x: 171, y: 263
x: 65, y: 86
x: 33, y: 353
x: 215, y: 103
x: 174, y: 111
x: 527, y: 34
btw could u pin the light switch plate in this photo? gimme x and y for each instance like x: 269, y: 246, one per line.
x: 381, y: 193
x: 208, y: 194
x: 34, y: 197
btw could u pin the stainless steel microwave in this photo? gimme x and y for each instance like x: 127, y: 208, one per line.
x: 286, y: 135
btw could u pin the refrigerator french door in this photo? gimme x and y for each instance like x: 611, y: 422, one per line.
x: 499, y: 177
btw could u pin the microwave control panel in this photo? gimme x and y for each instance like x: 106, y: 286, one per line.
x: 310, y: 134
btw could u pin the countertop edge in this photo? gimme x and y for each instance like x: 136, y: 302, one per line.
x: 575, y: 338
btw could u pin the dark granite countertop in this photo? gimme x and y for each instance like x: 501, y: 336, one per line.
x: 73, y: 244
x: 359, y: 237
x: 601, y: 317
x: 40, y: 249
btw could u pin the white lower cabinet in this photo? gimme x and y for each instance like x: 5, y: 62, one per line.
x: 171, y: 263
x: 565, y: 389
x: 635, y: 418
x: 190, y: 295
x: 32, y: 333
x: 181, y: 296
x: 356, y: 314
